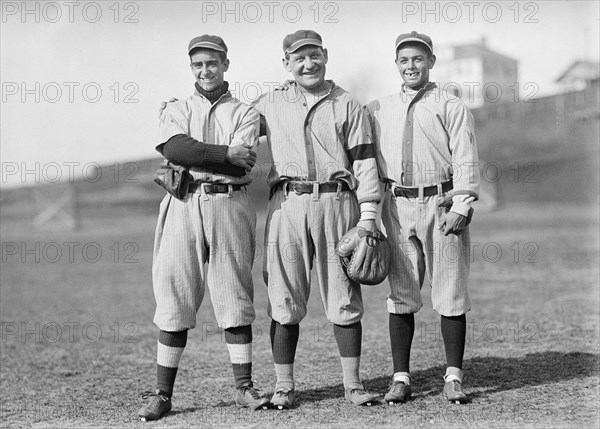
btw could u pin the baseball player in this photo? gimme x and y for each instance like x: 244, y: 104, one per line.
x: 208, y: 238
x: 323, y: 176
x: 427, y: 157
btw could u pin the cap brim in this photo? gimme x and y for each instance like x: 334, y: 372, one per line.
x: 206, y: 45
x: 414, y: 39
x: 303, y: 42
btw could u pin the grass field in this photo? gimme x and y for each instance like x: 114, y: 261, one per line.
x: 78, y: 344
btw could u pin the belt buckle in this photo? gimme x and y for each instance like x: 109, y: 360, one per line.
x: 296, y: 188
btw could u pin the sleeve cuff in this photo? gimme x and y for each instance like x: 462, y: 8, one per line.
x: 215, y: 153
x: 368, y: 210
x: 465, y: 192
x: 461, y: 204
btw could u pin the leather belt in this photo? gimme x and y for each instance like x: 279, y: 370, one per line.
x: 213, y: 188
x: 413, y: 192
x: 300, y: 188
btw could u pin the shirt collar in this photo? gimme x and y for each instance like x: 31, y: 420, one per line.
x: 219, y: 100
x: 428, y: 86
x: 332, y: 85
x: 225, y: 95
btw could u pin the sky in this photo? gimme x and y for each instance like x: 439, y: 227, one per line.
x: 82, y: 81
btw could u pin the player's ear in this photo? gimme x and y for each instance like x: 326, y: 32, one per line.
x: 431, y: 61
x: 286, y: 62
x: 325, y: 55
x: 226, y: 65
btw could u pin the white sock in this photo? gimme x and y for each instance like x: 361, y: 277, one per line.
x: 453, y: 373
x: 350, y: 371
x: 285, y: 376
x: 403, y: 377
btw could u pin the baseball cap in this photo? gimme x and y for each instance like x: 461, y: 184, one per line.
x: 295, y: 41
x: 207, y: 41
x: 413, y: 36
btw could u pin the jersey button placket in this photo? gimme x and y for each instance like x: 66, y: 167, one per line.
x: 407, y: 140
x: 310, y: 154
x: 211, y: 130
x: 407, y: 155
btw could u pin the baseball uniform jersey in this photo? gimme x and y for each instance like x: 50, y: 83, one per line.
x: 425, y: 138
x: 209, y: 238
x: 325, y: 142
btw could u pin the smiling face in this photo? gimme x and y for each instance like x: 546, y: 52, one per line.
x: 209, y: 68
x: 414, y: 62
x: 307, y: 65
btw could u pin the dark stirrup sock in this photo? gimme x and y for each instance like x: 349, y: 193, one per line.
x: 169, y: 351
x: 349, y: 341
x: 454, y: 332
x: 239, y: 344
x: 402, y: 330
x: 284, y: 339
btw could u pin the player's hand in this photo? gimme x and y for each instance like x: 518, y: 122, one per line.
x: 453, y: 223
x: 242, y: 156
x: 369, y: 225
x: 163, y: 106
x: 284, y: 86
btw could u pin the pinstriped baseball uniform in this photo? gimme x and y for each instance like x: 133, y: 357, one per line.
x: 425, y: 138
x: 226, y: 122
x: 326, y: 142
x: 207, y: 239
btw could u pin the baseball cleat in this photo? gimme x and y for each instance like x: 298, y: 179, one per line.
x: 399, y: 392
x: 359, y: 396
x: 247, y: 396
x: 157, y: 406
x: 453, y: 392
x: 283, y: 399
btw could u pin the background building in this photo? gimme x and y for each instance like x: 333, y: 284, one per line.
x: 476, y: 73
x: 579, y: 75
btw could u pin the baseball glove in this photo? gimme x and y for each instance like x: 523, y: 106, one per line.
x: 174, y: 178
x: 365, y: 255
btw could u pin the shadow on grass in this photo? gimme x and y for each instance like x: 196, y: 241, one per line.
x: 187, y: 410
x: 485, y: 375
